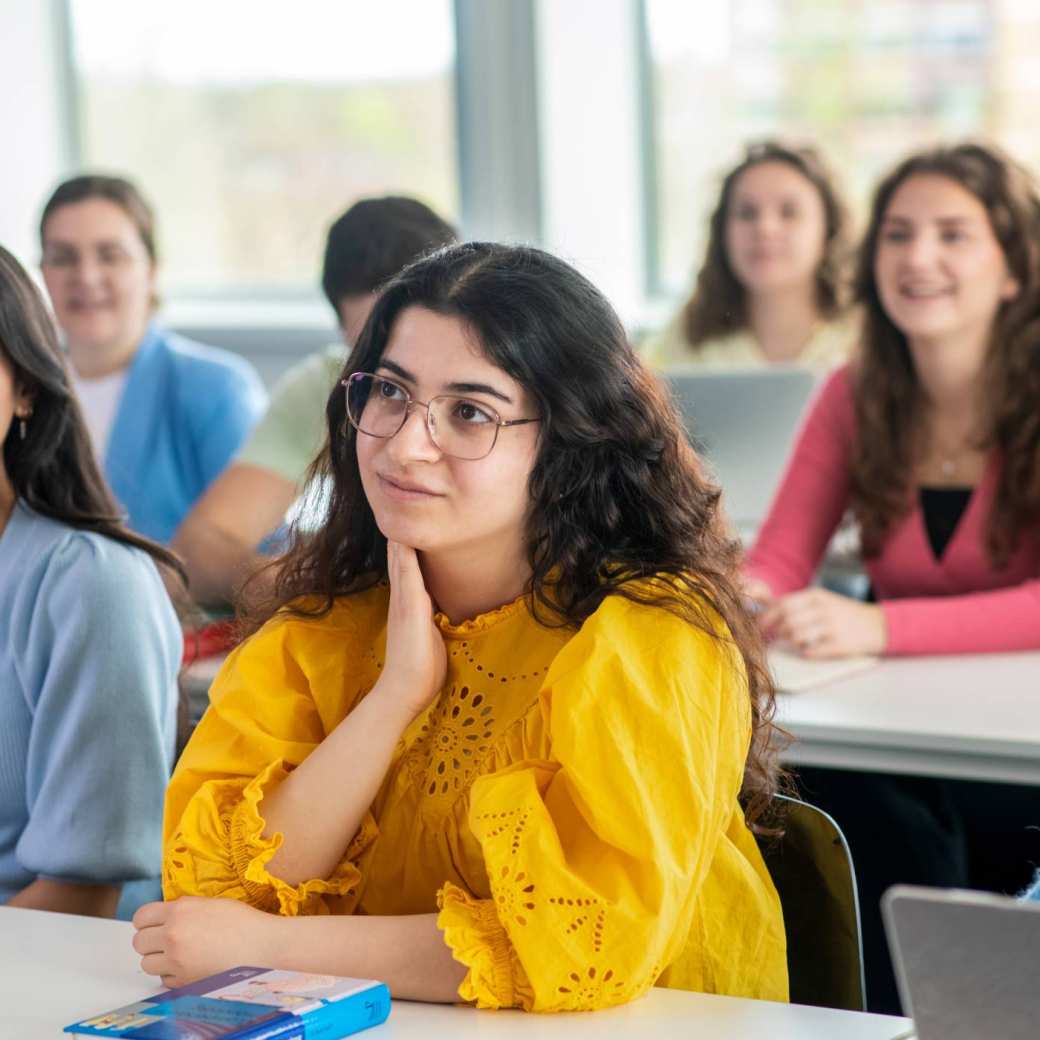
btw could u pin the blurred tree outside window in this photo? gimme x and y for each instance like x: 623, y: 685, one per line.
x: 251, y: 125
x: 867, y: 81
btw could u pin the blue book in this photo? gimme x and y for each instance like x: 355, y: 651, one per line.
x: 249, y: 1004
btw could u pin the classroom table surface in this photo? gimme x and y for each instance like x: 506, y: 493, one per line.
x: 970, y: 717
x: 56, y: 969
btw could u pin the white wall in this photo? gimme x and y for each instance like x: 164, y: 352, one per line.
x: 32, y: 113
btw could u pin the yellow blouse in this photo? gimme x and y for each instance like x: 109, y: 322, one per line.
x: 569, y: 801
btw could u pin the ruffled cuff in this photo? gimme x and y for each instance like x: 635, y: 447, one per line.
x: 251, y: 852
x: 476, y: 938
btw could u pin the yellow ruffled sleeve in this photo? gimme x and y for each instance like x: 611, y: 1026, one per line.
x: 262, y: 722
x: 596, y: 856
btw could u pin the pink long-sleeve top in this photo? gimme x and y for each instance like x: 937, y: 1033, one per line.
x: 960, y: 603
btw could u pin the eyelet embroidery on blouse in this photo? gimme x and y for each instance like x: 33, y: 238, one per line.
x: 451, y: 742
x: 586, y: 914
x: 180, y: 849
x: 464, y: 650
x: 590, y: 988
x: 509, y: 820
x: 514, y: 892
x: 514, y: 895
x: 580, y: 920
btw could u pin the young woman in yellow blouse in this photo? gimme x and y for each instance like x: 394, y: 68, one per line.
x: 503, y: 730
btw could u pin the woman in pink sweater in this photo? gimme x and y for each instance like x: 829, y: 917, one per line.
x: 931, y: 438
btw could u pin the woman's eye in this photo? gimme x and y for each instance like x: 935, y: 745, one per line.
x: 893, y: 235
x: 468, y: 412
x: 112, y: 257
x: 390, y: 392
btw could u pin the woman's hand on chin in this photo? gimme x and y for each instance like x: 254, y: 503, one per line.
x: 416, y: 659
x: 192, y: 937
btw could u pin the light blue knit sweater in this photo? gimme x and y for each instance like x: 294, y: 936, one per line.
x: 89, y: 652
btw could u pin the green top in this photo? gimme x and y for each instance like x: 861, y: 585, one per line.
x: 292, y: 430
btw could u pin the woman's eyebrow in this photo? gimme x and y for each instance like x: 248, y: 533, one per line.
x: 401, y: 373
x: 455, y: 388
x: 477, y: 388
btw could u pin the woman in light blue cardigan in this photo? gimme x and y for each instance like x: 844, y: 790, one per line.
x: 166, y: 414
x: 89, y: 645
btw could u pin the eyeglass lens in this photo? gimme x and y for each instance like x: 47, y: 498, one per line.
x: 459, y: 426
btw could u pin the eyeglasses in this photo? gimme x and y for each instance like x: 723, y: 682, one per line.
x: 460, y: 427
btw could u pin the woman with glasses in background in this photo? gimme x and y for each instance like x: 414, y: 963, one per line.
x: 165, y: 414
x: 505, y: 726
x: 771, y: 286
x: 89, y: 647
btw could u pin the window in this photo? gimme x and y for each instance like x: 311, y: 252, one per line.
x: 867, y: 81
x: 251, y: 124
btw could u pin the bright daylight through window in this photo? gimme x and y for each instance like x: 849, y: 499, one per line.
x: 251, y: 124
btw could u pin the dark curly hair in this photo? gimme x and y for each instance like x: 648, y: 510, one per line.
x: 888, y: 397
x: 617, y: 494
x: 718, y: 304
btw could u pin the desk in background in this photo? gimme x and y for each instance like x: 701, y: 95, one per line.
x: 962, y: 717
x: 56, y: 969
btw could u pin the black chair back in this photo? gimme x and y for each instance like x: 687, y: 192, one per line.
x: 812, y: 870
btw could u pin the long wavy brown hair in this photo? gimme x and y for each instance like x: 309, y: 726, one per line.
x: 617, y: 496
x: 718, y: 304
x: 889, y: 402
x: 52, y: 468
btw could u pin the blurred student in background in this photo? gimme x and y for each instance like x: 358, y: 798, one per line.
x: 165, y: 414
x: 771, y: 287
x: 510, y: 678
x: 89, y: 646
x: 365, y: 247
x: 931, y: 437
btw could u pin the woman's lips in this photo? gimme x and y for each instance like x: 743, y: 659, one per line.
x: 405, y: 491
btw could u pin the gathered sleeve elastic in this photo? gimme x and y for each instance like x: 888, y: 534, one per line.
x: 813, y: 493
x: 101, y: 654
x: 596, y: 854
x: 262, y: 722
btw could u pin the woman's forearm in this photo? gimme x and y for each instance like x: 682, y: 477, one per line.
x: 408, y: 953
x: 68, y: 897
x: 319, y: 806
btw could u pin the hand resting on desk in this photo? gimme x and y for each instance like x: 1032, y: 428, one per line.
x: 822, y: 624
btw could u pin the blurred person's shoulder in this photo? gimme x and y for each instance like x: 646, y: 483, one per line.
x: 209, y: 366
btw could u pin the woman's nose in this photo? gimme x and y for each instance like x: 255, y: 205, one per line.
x: 413, y: 441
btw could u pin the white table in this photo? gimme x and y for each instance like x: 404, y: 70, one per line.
x: 973, y: 717
x: 56, y: 969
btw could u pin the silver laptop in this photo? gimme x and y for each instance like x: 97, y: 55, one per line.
x: 967, y: 963
x: 743, y: 421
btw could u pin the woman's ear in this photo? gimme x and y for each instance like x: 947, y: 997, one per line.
x: 1012, y: 287
x: 24, y: 401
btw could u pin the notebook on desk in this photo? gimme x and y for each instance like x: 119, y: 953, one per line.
x: 743, y: 422
x: 792, y: 672
x: 966, y: 962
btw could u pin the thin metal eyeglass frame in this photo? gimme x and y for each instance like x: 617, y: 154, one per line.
x: 499, y: 422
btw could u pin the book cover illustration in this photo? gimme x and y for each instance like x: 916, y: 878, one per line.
x: 248, y: 1004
